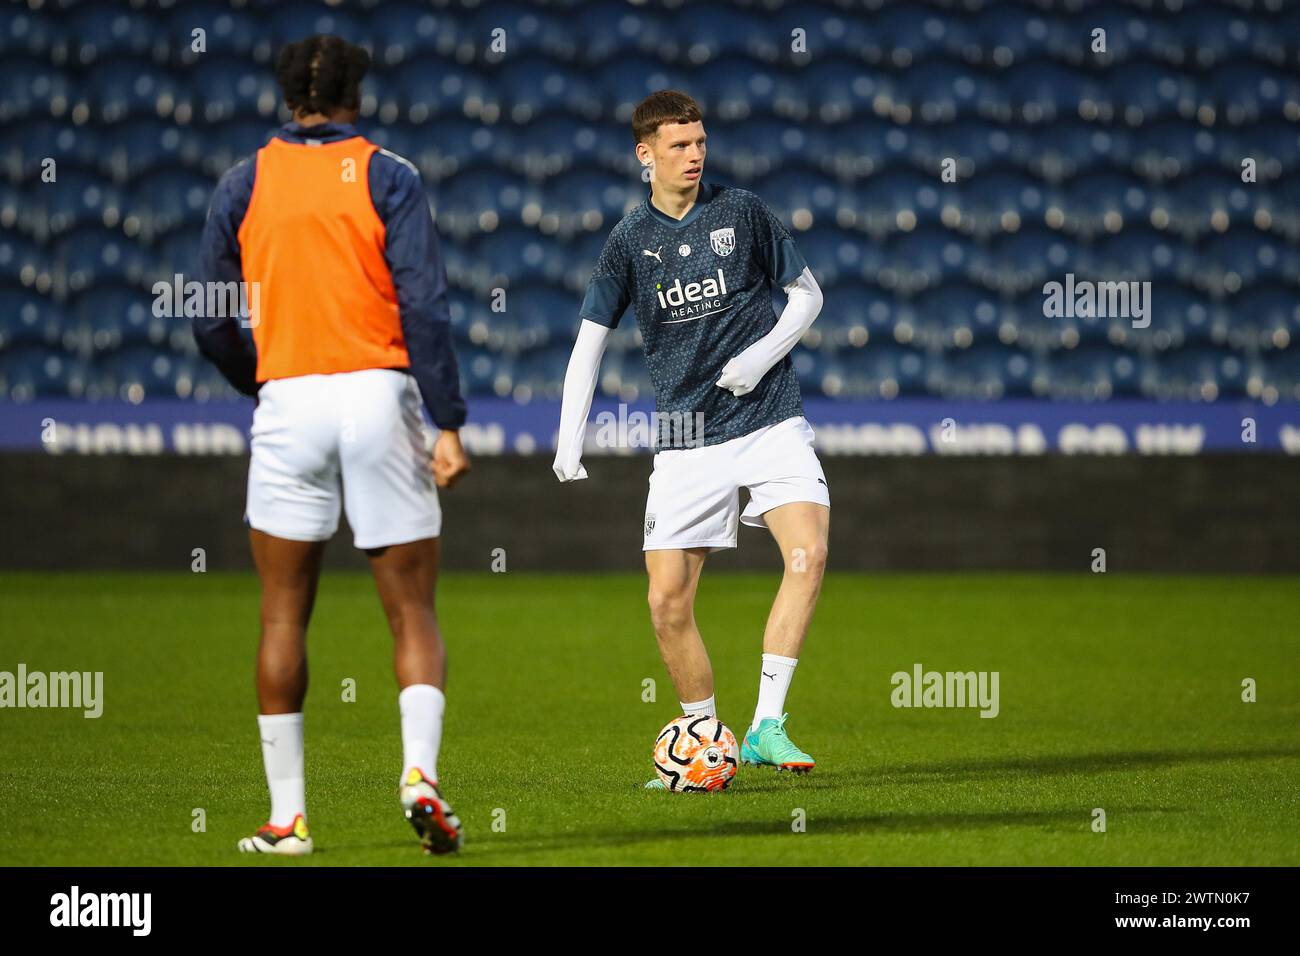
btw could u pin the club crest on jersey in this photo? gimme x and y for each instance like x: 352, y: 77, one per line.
x: 723, y: 241
x: 649, y: 524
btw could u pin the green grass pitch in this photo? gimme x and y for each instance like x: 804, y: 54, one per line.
x: 1119, y: 692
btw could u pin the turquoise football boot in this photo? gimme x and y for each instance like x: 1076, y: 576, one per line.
x: 768, y: 746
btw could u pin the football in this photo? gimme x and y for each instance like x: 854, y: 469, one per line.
x: 695, y: 754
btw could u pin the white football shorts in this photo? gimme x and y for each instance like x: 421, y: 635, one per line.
x: 694, y: 499
x: 361, y: 428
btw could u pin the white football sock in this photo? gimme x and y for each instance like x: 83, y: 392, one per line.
x: 421, y: 706
x: 282, y: 756
x: 703, y: 708
x: 777, y: 673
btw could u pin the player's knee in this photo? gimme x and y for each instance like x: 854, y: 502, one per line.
x: 410, y: 618
x: 670, y: 608
x: 809, y: 560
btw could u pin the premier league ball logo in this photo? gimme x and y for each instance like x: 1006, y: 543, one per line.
x: 723, y: 241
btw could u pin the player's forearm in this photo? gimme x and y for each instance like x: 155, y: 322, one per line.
x: 803, y: 304
x: 219, y: 341
x: 579, y: 388
x: 432, y: 357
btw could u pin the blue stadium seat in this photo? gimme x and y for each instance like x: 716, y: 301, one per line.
x: 123, y: 88
x: 28, y: 318
x: 422, y: 90
x: 898, y: 37
x: 99, y: 31
x: 224, y: 144
x: 899, y: 199
x: 525, y: 31
x: 172, y: 199
x: 956, y: 315
x: 531, y: 87
x: 178, y: 253
x: 826, y: 31
x: 601, y: 202
x: 79, y: 199
x: 718, y: 33
x: 482, y: 200
x: 461, y: 144
x: 942, y: 92
x: 226, y: 33
x: 1114, y: 167
x: 990, y: 371
x: 226, y: 88
x: 617, y: 31
x: 23, y: 262
x: 33, y: 372
x: 1265, y: 317
x: 1151, y: 92
x: 27, y: 147
x: 884, y: 370
x: 1213, y: 35
x: 1281, y: 375
x: 408, y: 31
x: 89, y: 256
x: 828, y: 91
x: 1202, y: 374
x: 18, y: 212
x: 833, y: 255
x: 30, y: 33
x: 1096, y: 372
x: 1173, y: 147
x: 624, y: 82
x: 108, y: 317
x: 1100, y: 202
x: 540, y: 374
x: 137, y: 373
x: 733, y: 89
x: 1040, y: 92
x: 147, y: 145
x: 33, y: 90
x: 1243, y: 92
x: 802, y: 197
x: 291, y: 20
x: 623, y: 375
x: 515, y: 255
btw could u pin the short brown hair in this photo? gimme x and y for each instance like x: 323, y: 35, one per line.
x: 666, y: 106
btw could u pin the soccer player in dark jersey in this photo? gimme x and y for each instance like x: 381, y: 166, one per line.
x: 697, y: 261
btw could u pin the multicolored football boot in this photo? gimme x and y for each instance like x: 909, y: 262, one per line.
x: 768, y: 746
x: 293, y: 840
x: 432, y: 817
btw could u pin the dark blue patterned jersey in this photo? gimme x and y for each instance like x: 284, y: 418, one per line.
x: 701, y: 287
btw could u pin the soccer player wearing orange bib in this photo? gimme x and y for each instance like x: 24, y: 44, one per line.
x: 350, y: 334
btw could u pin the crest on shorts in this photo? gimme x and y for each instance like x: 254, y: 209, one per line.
x: 723, y: 241
x: 649, y: 524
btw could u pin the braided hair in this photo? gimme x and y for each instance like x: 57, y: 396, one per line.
x: 321, y: 74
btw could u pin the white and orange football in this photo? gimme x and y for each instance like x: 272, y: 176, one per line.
x: 696, y: 754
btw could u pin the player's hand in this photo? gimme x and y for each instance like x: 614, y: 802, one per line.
x: 568, y: 467
x: 739, y: 376
x: 449, y: 459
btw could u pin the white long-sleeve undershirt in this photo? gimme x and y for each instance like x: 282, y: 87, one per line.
x: 742, y: 374
x: 579, y: 386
